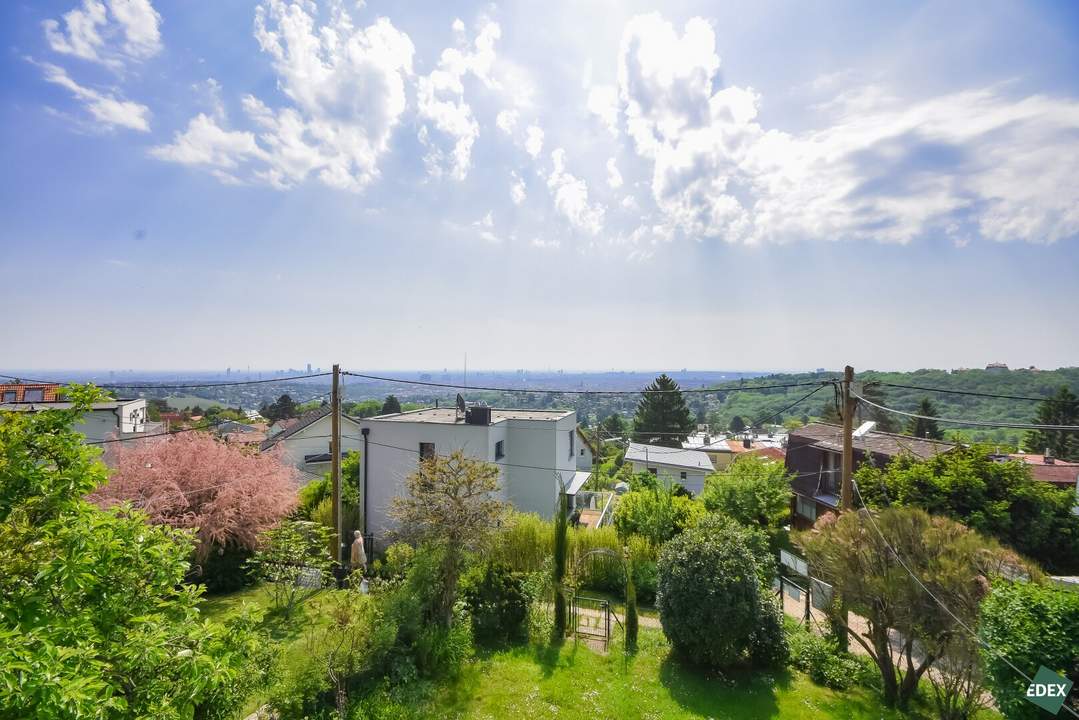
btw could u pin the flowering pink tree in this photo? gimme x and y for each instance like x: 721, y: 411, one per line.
x: 191, y: 480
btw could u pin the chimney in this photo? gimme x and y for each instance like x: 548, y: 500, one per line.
x: 1048, y: 457
x: 746, y: 442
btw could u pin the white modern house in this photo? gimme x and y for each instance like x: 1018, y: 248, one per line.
x: 532, y: 449
x: 106, y: 420
x: 688, y: 468
x: 306, y: 444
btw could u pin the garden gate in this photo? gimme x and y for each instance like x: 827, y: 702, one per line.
x: 590, y: 618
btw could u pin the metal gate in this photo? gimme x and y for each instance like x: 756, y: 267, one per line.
x: 590, y: 618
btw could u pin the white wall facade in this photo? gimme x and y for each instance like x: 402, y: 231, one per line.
x: 584, y: 455
x: 693, y: 480
x: 315, y: 439
x: 530, y: 446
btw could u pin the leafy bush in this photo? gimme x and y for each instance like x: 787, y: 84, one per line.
x: 656, y: 513
x: 753, y: 491
x: 826, y: 664
x: 253, y: 661
x: 224, y: 570
x: 441, y: 651
x: 397, y: 559
x: 294, y: 562
x: 305, y: 693
x: 709, y: 599
x: 525, y: 543
x: 497, y: 601
x: 1031, y: 625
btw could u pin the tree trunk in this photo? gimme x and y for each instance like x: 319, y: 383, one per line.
x: 884, y: 662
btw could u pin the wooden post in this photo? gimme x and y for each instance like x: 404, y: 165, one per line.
x: 335, y: 460
x: 847, y: 492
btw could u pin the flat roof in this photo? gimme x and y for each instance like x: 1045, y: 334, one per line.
x: 450, y: 415
x: 35, y: 406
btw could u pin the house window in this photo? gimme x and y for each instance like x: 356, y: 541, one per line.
x: 9, y: 396
x: 500, y: 449
x: 33, y: 395
x: 427, y: 451
x: 806, y: 508
x: 572, y: 438
x: 653, y: 471
x: 682, y: 475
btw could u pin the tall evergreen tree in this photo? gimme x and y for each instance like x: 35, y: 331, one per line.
x: 392, y: 405
x: 885, y: 421
x: 737, y: 424
x: 662, y: 415
x: 1061, y: 409
x: 921, y: 428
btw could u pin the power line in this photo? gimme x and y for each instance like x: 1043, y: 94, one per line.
x: 978, y: 423
x: 760, y: 422
x: 937, y: 600
x: 170, y: 386
x: 427, y: 383
x: 972, y: 392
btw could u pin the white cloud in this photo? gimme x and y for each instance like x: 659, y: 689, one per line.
x: 441, y: 101
x: 880, y: 168
x: 204, y: 142
x: 107, y: 109
x: 346, y: 87
x: 109, y: 33
x: 603, y: 103
x: 506, y: 120
x: 534, y: 140
x: 614, y: 178
x: 517, y: 190
x: 570, y: 195
x: 485, y: 226
x: 551, y: 244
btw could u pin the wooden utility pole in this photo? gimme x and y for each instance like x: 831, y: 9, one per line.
x: 847, y: 492
x: 335, y: 460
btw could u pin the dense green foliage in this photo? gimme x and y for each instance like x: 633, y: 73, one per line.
x: 282, y: 408
x: 558, y: 563
x: 712, y: 603
x: 662, y: 416
x: 294, y: 561
x: 923, y: 427
x: 656, y: 513
x: 1061, y: 409
x: 391, y: 405
x: 95, y: 619
x: 752, y: 490
x: 1031, y: 625
x: 821, y: 659
x: 857, y: 555
x: 497, y: 601
x: 995, y: 498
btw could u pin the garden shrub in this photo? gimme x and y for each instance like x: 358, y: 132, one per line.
x: 826, y: 664
x: 223, y: 571
x: 709, y: 599
x: 1030, y: 624
x: 440, y: 651
x: 305, y: 693
x: 397, y: 559
x: 497, y: 601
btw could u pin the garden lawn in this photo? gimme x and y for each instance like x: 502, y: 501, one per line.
x: 531, y: 682
x: 576, y: 682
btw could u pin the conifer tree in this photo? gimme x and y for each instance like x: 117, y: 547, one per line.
x: 662, y: 415
x: 1060, y: 409
x: 921, y: 428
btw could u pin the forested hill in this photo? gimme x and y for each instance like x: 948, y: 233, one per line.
x: 1030, y: 383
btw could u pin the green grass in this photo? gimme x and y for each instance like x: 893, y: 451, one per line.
x: 575, y: 682
x: 572, y: 682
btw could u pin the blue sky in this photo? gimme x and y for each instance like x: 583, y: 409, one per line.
x: 586, y: 185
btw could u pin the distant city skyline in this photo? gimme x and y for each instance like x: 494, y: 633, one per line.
x: 563, y: 184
